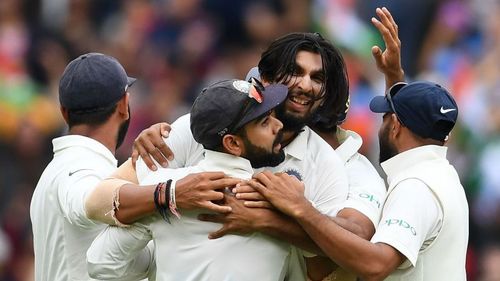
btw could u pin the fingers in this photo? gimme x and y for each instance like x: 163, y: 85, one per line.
x: 217, y: 208
x: 142, y: 151
x: 253, y: 196
x: 134, y: 156
x: 165, y: 129
x: 258, y: 204
x: 394, y: 26
x: 264, y: 178
x: 219, y: 233
x: 258, y: 187
x: 243, y: 187
x: 384, y: 15
x: 165, y: 153
x: 217, y: 218
x: 224, y: 182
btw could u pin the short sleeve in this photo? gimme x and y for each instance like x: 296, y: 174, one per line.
x: 72, y: 193
x: 410, y: 216
x: 367, y: 190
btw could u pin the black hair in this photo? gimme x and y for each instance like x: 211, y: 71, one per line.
x: 278, y: 63
x: 90, y: 117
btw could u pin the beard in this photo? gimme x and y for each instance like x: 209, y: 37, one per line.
x: 122, y: 131
x: 260, y: 157
x: 387, y: 150
x: 291, y: 123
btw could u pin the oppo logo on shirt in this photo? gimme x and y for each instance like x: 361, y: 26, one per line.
x: 370, y: 198
x: 401, y: 223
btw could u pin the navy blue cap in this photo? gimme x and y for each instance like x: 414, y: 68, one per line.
x: 426, y: 108
x: 93, y: 82
x: 228, y: 105
x: 253, y: 73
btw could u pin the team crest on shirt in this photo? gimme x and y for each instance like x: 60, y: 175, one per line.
x: 293, y: 172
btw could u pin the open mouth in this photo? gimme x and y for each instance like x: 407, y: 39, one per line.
x: 302, y: 100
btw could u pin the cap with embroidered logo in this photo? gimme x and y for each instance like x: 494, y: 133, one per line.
x: 426, y: 108
x: 225, y: 106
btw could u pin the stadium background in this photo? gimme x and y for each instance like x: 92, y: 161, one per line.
x: 175, y: 47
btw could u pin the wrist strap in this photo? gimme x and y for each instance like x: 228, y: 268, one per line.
x: 172, y: 205
x: 160, y: 206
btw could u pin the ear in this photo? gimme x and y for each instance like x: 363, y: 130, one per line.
x: 396, y: 126
x: 64, y: 113
x: 122, y: 106
x: 233, y: 144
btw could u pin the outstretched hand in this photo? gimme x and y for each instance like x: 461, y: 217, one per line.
x: 389, y: 60
x: 150, y: 143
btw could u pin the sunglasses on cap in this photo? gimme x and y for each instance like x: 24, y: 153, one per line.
x: 391, y: 93
x: 255, y: 96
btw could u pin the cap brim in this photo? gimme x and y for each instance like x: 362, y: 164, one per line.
x: 253, y: 73
x: 380, y: 104
x: 273, y: 95
x: 131, y: 81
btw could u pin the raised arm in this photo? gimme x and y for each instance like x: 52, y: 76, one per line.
x: 388, y: 61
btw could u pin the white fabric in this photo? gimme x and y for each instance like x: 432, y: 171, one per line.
x: 61, y: 230
x: 405, y: 228
x: 441, y: 256
x: 182, y: 248
x: 367, y: 189
x: 308, y: 157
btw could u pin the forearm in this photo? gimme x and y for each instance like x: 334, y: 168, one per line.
x: 348, y: 250
x: 118, y: 202
x: 392, y: 77
x: 135, y: 202
x: 286, y: 228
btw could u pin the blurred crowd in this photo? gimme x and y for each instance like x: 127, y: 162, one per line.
x: 176, y: 47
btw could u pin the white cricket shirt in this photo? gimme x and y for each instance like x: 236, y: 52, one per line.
x: 182, y: 248
x: 62, y: 232
x: 308, y: 157
x: 367, y: 189
x: 425, y: 216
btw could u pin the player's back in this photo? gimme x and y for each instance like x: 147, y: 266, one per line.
x: 61, y: 230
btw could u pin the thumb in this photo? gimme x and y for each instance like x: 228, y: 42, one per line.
x: 165, y: 130
x: 377, y: 53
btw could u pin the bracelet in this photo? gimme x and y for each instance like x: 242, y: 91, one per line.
x: 171, y: 199
x: 161, y: 208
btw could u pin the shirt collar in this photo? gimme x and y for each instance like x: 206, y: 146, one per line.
x: 350, y: 143
x: 69, y: 141
x: 297, y: 147
x: 231, y: 165
x: 409, y: 158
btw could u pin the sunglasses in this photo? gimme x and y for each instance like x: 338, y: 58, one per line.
x: 391, y: 93
x: 254, y: 96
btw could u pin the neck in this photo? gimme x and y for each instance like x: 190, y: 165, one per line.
x: 330, y: 138
x: 105, y: 134
x: 288, y: 137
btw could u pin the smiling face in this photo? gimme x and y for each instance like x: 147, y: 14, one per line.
x: 305, y: 91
